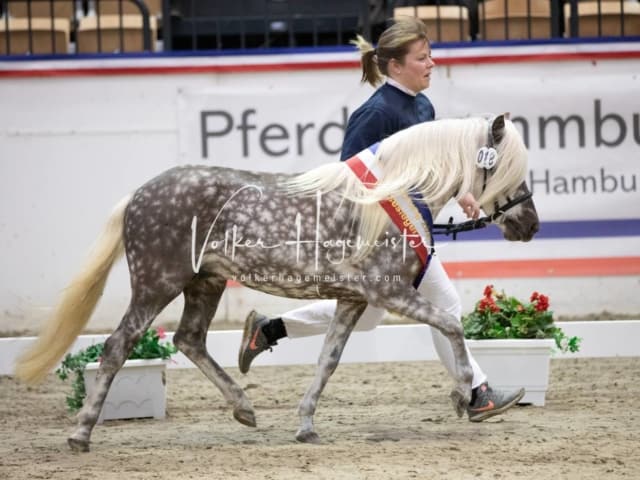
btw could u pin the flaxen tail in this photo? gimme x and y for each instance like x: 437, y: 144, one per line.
x: 77, y: 303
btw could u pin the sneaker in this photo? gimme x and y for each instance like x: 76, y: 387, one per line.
x: 254, y: 341
x: 491, y: 402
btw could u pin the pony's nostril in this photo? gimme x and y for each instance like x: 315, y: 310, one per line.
x: 535, y: 228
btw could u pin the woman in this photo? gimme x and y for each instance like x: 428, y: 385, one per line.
x: 403, y: 56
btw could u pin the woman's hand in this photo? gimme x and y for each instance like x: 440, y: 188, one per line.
x: 469, y: 206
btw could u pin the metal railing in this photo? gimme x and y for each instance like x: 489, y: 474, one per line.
x: 533, y: 19
x: 49, y: 17
x: 208, y: 25
x: 621, y: 13
x: 190, y: 25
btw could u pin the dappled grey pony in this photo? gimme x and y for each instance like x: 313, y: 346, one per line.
x: 319, y: 235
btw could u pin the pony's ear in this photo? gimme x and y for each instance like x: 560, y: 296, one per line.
x: 497, y: 129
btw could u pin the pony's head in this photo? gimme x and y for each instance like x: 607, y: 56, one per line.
x: 499, y: 181
x: 517, y: 217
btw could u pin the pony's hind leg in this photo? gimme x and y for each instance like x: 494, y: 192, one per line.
x: 413, y: 305
x: 117, y: 347
x: 201, y: 301
x: 347, y: 314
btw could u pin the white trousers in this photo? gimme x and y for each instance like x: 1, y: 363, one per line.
x: 436, y: 287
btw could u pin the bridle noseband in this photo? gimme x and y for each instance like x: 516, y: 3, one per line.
x: 453, y: 229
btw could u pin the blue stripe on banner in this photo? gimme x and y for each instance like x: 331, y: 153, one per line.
x: 568, y: 229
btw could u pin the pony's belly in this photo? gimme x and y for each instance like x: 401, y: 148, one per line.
x: 291, y: 280
x: 287, y: 290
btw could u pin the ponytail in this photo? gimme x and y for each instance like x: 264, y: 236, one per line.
x: 370, y: 71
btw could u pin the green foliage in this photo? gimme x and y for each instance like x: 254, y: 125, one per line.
x: 73, y: 365
x: 497, y: 315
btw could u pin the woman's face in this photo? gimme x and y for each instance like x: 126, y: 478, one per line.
x: 415, y: 72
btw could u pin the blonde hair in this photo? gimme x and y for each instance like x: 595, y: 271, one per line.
x: 394, y: 43
x: 436, y: 159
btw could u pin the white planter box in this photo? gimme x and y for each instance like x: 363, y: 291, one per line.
x: 138, y: 390
x: 511, y: 364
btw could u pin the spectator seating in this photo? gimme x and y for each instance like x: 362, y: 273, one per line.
x: 514, y: 19
x: 52, y: 29
x: 105, y: 36
x: 67, y: 26
x: 48, y: 36
x: 41, y: 9
x: 112, y: 7
x: 617, y: 18
x: 208, y: 24
x: 445, y: 23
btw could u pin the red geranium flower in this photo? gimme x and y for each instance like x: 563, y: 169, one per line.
x: 488, y: 290
x: 488, y: 303
x: 542, y: 304
x: 161, y: 332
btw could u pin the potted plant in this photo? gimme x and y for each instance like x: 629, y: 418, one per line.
x: 513, y: 340
x: 138, y: 389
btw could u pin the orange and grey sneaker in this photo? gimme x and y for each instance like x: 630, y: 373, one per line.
x: 254, y: 341
x: 489, y: 402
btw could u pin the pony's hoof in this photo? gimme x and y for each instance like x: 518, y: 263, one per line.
x: 245, y: 417
x: 459, y: 401
x: 308, y: 436
x: 78, y: 445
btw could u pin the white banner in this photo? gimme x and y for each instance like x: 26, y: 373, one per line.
x: 283, y: 129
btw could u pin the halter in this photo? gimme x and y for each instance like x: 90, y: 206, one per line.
x: 486, y: 159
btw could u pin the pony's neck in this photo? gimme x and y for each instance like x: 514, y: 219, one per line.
x: 436, y: 207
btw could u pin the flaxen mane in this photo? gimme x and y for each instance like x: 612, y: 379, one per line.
x: 436, y: 159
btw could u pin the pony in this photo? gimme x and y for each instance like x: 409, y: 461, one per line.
x: 316, y: 235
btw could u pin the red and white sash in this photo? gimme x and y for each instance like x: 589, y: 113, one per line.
x: 411, y: 215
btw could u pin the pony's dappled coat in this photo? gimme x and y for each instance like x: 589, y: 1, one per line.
x: 436, y: 159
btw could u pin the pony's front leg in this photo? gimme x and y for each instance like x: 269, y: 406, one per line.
x: 347, y: 314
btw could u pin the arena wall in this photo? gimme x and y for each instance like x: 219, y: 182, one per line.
x: 77, y: 135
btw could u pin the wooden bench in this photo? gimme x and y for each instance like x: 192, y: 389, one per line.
x: 613, y: 17
x: 132, y: 34
x: 453, y: 21
x: 47, y: 36
x: 514, y: 19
